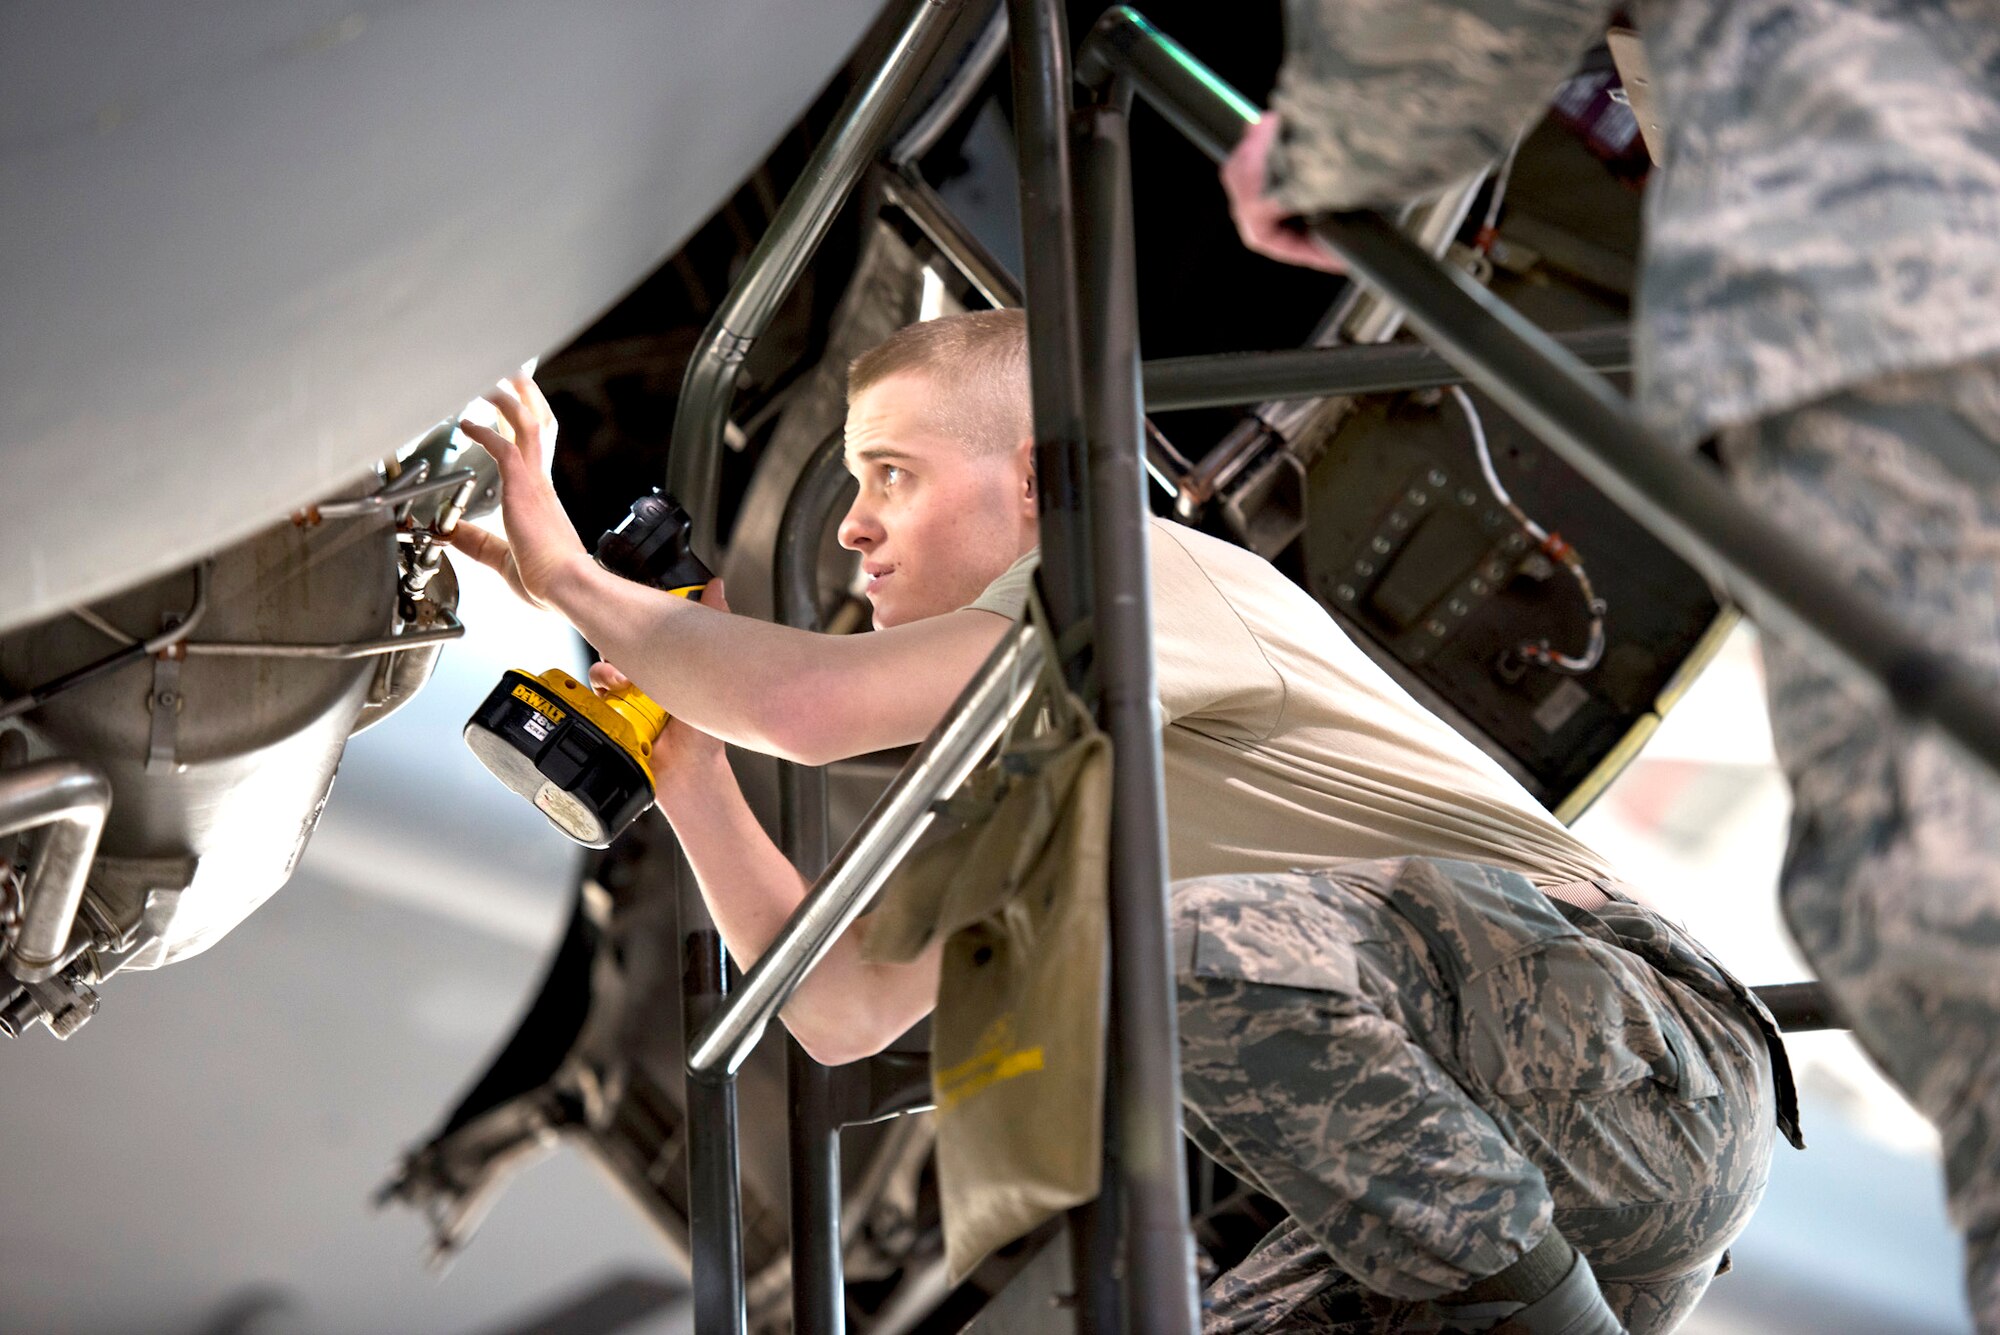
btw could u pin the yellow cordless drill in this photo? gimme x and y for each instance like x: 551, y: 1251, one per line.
x: 580, y: 757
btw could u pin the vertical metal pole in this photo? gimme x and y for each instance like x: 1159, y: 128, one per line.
x: 693, y: 476
x: 1143, y: 1126
x: 1042, y: 102
x: 1041, y: 73
x: 715, y: 1200
x: 819, y: 1291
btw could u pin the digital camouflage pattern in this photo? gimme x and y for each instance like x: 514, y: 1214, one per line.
x: 1892, y: 880
x: 1828, y: 210
x: 1823, y: 253
x: 1429, y: 1062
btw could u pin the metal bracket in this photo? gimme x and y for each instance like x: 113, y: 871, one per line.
x: 166, y: 703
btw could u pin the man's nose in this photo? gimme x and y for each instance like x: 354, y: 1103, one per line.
x: 858, y: 530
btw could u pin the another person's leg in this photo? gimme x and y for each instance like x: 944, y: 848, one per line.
x: 1430, y: 1067
x: 1892, y: 881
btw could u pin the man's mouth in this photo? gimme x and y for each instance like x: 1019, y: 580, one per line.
x: 876, y: 577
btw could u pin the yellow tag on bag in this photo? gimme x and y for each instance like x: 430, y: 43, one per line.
x: 1014, y: 882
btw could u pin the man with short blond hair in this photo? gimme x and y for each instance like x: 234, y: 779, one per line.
x: 1456, y: 1053
x: 981, y: 355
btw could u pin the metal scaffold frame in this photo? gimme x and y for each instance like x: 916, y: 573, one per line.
x: 1131, y: 1250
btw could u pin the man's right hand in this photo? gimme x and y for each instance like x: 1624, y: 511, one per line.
x: 541, y: 543
x: 684, y: 756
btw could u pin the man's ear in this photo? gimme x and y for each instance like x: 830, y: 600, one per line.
x: 1024, y: 468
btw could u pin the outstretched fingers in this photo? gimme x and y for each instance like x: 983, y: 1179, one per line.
x: 536, y: 402
x: 487, y: 548
x: 521, y: 421
x: 502, y: 449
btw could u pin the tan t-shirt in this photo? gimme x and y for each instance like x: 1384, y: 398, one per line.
x: 1286, y: 746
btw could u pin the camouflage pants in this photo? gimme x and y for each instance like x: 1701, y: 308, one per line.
x: 1892, y: 881
x: 1428, y: 1063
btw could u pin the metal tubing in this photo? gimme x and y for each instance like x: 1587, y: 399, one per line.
x: 1124, y: 46
x: 694, y: 464
x: 1041, y: 81
x: 1315, y: 373
x: 715, y: 1190
x: 1431, y: 225
x: 921, y: 205
x: 132, y: 653
x: 74, y: 798
x: 819, y: 1304
x: 1801, y: 1007
x: 1681, y: 502
x: 1144, y: 1050
x: 427, y: 548
x: 1042, y: 104
x: 819, y: 1294
x: 693, y: 476
x: 452, y: 629
x: 1360, y: 317
x: 841, y: 895
x: 391, y: 496
x: 956, y: 94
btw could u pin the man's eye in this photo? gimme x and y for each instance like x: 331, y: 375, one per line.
x: 891, y: 475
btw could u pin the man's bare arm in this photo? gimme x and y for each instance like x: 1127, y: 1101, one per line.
x: 789, y: 693
x: 847, y: 1008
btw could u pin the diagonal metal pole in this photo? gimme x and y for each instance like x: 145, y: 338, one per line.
x: 852, y: 141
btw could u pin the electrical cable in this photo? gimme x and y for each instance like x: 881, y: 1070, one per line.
x: 1551, y: 545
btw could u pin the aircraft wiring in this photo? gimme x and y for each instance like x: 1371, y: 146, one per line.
x: 1551, y: 545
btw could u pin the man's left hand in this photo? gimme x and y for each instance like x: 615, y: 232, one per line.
x: 1265, y: 225
x: 541, y: 543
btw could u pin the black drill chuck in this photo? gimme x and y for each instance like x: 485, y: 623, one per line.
x: 650, y: 545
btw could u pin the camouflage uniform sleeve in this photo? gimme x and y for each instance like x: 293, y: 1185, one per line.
x: 1385, y: 101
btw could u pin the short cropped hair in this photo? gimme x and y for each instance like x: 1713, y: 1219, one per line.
x: 978, y: 361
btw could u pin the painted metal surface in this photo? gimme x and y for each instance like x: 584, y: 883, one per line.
x: 250, y: 248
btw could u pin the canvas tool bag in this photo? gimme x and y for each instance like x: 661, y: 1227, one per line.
x: 1014, y: 882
